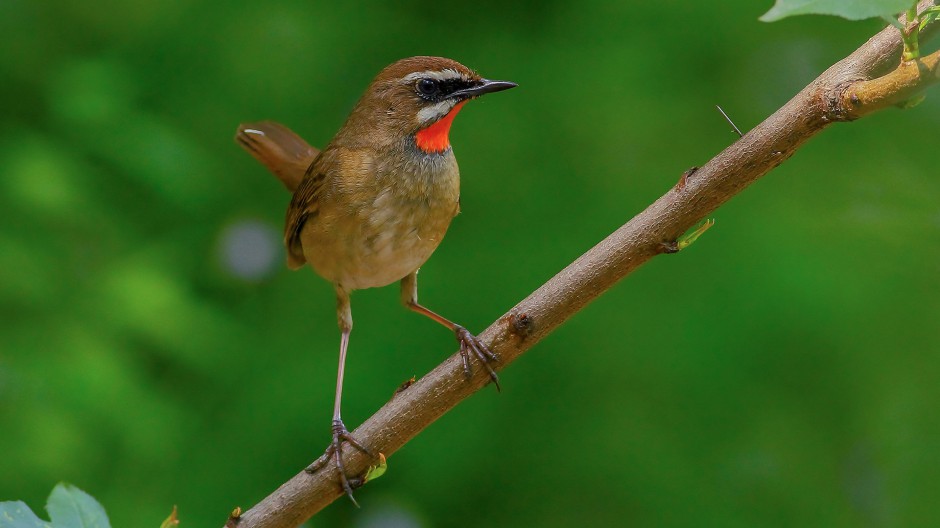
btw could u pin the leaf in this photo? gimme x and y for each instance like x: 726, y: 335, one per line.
x: 70, y: 507
x: 690, y: 238
x: 172, y: 521
x: 850, y: 9
x: 927, y: 16
x: 16, y: 514
x: 375, y: 472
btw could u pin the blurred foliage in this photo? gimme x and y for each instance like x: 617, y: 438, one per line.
x: 850, y: 9
x: 68, y: 507
x: 783, y: 371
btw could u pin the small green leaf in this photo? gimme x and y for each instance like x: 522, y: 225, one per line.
x: 927, y: 16
x: 16, y: 514
x: 850, y: 9
x: 172, y: 521
x: 70, y: 507
x: 690, y: 238
x: 375, y: 472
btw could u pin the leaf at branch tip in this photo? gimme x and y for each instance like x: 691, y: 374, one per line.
x: 70, y: 507
x: 171, y: 521
x: 850, y: 9
x: 375, y: 472
x: 689, y: 238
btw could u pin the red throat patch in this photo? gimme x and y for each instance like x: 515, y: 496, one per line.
x: 433, y: 139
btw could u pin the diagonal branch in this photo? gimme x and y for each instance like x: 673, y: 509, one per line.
x: 842, y: 93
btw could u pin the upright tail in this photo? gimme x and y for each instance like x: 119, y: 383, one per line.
x: 279, y: 149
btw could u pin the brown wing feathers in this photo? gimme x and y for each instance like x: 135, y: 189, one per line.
x: 303, y: 206
x: 289, y: 158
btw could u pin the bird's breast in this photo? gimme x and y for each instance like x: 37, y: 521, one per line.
x: 380, y: 229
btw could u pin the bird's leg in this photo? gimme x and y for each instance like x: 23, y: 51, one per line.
x: 340, y: 433
x: 468, y: 342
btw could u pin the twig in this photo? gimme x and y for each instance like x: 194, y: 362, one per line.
x: 841, y: 93
x: 908, y: 80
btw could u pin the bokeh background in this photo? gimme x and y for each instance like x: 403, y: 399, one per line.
x: 154, y: 350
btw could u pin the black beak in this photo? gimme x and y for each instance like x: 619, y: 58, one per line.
x: 482, y: 86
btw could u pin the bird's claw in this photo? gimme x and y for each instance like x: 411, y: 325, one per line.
x: 469, y: 343
x: 335, y: 450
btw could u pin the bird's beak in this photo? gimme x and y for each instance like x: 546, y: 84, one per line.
x: 483, y: 86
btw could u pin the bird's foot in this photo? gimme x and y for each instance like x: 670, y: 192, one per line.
x: 469, y: 344
x: 340, y: 435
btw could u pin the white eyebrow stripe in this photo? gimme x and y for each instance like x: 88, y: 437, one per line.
x: 438, y: 75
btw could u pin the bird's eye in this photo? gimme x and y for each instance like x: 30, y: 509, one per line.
x: 427, y: 87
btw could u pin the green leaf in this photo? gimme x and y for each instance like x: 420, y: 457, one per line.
x: 172, y: 521
x: 850, y: 9
x: 690, y: 238
x: 375, y: 472
x: 927, y: 16
x: 16, y: 514
x: 70, y: 507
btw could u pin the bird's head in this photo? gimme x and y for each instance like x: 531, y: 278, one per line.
x: 419, y: 97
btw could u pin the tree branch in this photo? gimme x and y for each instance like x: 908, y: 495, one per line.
x: 897, y: 87
x: 842, y: 93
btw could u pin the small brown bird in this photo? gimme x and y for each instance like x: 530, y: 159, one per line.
x: 375, y: 203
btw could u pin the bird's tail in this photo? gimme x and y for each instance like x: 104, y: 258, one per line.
x: 279, y: 149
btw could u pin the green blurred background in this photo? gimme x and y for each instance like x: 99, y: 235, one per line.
x: 154, y: 350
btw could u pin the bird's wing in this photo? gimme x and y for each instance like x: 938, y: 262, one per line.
x: 279, y: 149
x: 305, y: 205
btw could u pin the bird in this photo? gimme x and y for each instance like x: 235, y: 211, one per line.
x: 372, y: 206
